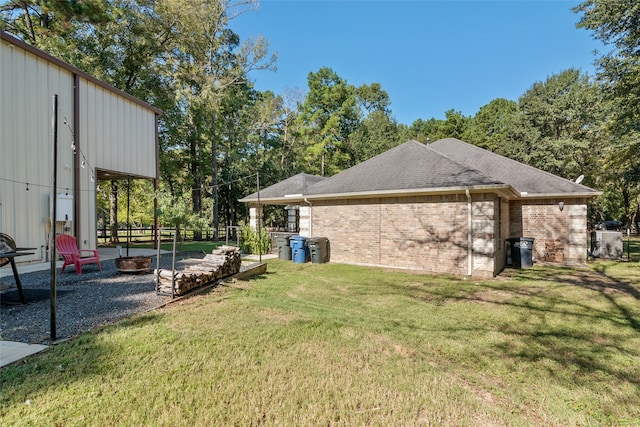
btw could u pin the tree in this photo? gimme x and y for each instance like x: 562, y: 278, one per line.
x: 617, y: 23
x: 372, y: 98
x: 559, y: 126
x: 425, y: 131
x: 45, y: 23
x: 327, y: 117
x: 207, y: 60
x: 488, y: 128
x: 454, y: 126
x: 290, y: 130
x: 376, y: 134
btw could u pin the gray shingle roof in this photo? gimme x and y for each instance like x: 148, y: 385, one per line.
x: 410, y: 166
x: 527, y: 180
x: 296, y: 185
x: 445, y: 165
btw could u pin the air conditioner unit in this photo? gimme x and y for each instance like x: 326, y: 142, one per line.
x: 606, y: 244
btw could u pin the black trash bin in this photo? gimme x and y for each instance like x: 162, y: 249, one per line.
x: 319, y: 249
x: 521, y: 251
x: 284, y: 250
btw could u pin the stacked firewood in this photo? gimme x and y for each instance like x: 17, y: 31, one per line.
x: 222, y: 262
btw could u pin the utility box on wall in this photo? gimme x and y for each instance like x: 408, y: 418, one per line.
x: 64, y: 208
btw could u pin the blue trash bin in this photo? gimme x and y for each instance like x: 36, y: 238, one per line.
x: 299, y: 249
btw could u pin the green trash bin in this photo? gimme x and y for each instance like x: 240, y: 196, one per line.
x: 319, y: 249
x: 284, y: 250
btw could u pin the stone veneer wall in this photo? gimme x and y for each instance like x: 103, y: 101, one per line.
x: 546, y: 223
x: 428, y: 233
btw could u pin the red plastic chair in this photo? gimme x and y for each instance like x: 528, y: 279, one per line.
x: 67, y: 247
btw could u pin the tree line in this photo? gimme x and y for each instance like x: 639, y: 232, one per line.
x: 218, y: 133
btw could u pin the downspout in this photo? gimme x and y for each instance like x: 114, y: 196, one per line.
x: 470, y: 234
x: 310, y: 216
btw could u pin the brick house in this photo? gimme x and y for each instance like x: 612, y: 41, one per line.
x: 446, y: 207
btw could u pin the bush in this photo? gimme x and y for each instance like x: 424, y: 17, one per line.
x: 254, y: 242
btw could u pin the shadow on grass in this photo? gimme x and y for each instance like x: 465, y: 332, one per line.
x: 66, y: 363
x: 579, y: 321
x: 582, y: 333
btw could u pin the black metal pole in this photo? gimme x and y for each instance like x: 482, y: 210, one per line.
x: 128, y: 207
x: 52, y: 214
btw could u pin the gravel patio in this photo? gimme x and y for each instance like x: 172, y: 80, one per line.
x: 94, y: 299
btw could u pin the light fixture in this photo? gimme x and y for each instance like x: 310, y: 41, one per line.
x: 561, y: 206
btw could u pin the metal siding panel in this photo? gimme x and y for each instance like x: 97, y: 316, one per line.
x: 115, y: 134
x: 123, y: 137
x: 25, y: 137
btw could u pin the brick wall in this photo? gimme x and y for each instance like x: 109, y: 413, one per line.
x: 563, y: 230
x: 428, y: 233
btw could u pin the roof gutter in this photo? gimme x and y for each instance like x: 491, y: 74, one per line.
x: 525, y: 195
x: 504, y: 188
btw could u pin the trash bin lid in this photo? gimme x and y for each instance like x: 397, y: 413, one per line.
x: 298, y: 238
x: 521, y: 239
x: 317, y: 239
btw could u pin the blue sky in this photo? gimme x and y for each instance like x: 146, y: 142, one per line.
x: 430, y: 56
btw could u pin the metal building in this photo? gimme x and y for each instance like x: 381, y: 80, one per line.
x: 101, y: 133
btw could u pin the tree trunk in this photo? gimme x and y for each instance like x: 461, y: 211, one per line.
x: 113, y: 212
x: 196, y: 191
x: 628, y: 215
x: 214, y: 175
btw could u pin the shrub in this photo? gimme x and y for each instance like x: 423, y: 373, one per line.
x: 253, y: 241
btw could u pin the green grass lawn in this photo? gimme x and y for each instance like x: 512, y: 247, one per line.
x: 329, y: 344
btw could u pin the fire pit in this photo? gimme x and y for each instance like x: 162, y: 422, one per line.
x: 133, y: 264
